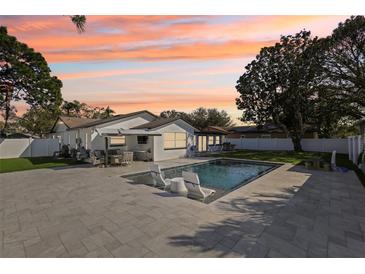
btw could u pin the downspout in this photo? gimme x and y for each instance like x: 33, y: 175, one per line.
x: 106, y: 151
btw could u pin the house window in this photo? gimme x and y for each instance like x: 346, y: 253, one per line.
x: 142, y: 140
x: 266, y: 136
x: 174, y: 140
x: 211, y: 140
x: 219, y: 140
x: 117, y: 141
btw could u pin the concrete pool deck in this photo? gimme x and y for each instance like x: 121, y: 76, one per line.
x: 93, y: 212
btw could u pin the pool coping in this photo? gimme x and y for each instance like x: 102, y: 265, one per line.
x: 204, y: 161
x: 276, y: 166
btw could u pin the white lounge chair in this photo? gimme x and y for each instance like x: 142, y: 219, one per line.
x: 157, y: 176
x: 192, y: 183
x: 333, y: 160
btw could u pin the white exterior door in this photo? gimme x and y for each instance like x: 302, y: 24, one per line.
x: 202, y: 143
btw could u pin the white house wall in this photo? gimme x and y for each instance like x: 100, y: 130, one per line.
x: 160, y: 154
x: 60, y: 127
x: 85, y: 135
x: 89, y: 138
x: 98, y: 142
x: 133, y: 144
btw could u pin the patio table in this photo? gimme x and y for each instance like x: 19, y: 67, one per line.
x: 178, y: 186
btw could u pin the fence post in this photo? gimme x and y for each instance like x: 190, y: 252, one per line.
x: 353, y: 149
x: 349, y: 147
x: 30, y: 147
x: 359, y: 148
x: 276, y: 144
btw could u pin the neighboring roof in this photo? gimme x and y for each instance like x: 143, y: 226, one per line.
x: 160, y: 122
x: 214, y: 130
x: 114, y: 118
x: 256, y: 129
x: 267, y: 128
x: 20, y: 135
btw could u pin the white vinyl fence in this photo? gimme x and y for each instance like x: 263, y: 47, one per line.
x: 315, y: 145
x: 355, y: 147
x: 16, y: 148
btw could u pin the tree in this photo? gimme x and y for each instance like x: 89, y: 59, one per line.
x: 346, y: 127
x: 74, y: 108
x: 176, y: 114
x: 79, y: 21
x: 12, y: 125
x: 342, y: 57
x: 25, y: 75
x: 106, y: 113
x: 82, y: 110
x: 201, y: 117
x: 171, y: 114
x: 37, y: 121
x: 278, y: 86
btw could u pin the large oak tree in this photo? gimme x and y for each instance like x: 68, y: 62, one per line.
x: 278, y: 86
x: 25, y: 76
x: 342, y: 59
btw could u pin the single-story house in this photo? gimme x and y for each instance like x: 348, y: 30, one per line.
x: 265, y: 131
x: 141, y: 132
x: 211, y: 135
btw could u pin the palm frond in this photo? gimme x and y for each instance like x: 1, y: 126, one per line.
x: 79, y: 21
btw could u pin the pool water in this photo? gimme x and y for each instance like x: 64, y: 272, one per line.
x: 223, y: 175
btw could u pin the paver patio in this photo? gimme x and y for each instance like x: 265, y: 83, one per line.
x: 93, y: 212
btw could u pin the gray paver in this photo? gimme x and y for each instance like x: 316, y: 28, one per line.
x: 93, y: 212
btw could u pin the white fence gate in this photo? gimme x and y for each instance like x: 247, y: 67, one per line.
x: 315, y: 145
x: 16, y: 148
x: 355, y: 147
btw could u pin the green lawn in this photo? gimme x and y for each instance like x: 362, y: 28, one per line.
x: 294, y: 158
x: 273, y: 156
x: 17, y: 164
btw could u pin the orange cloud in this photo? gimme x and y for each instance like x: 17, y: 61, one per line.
x: 201, y: 51
x: 185, y: 104
x: 108, y: 73
x: 158, y: 37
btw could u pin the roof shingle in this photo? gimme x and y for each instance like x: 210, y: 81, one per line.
x: 72, y: 122
x: 156, y: 123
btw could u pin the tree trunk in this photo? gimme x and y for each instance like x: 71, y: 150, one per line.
x: 296, y: 143
x: 8, y: 94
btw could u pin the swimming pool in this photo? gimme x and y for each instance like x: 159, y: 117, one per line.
x: 222, y: 175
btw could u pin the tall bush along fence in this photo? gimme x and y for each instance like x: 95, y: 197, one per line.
x: 355, y: 147
x: 286, y: 144
x: 18, y: 148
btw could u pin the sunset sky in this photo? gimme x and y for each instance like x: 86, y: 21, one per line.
x: 156, y: 62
